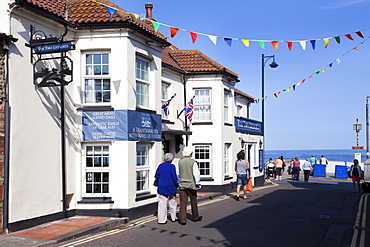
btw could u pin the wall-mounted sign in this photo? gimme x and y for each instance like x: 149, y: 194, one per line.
x: 125, y: 125
x: 245, y: 125
x: 55, y: 47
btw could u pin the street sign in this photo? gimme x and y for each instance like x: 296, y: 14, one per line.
x: 357, y: 147
x: 56, y: 47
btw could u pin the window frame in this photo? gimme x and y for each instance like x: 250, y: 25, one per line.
x: 143, y: 168
x: 200, y: 160
x: 142, y: 99
x: 198, y: 105
x: 226, y: 106
x: 227, y: 159
x: 95, y: 169
x: 93, y: 78
x: 164, y: 97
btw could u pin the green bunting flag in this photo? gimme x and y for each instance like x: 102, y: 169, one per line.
x: 156, y: 25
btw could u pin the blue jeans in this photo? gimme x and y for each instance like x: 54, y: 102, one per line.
x: 296, y: 171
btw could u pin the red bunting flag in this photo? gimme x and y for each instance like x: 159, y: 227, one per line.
x: 194, y: 37
x: 290, y: 45
x: 359, y: 34
x: 173, y: 31
x: 303, y: 80
x: 349, y: 36
x: 275, y: 44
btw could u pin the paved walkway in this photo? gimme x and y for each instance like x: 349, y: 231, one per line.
x: 65, y: 229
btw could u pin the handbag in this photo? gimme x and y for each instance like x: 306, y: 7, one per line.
x: 155, y: 182
x: 249, y: 186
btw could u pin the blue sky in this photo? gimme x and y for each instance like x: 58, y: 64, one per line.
x: 321, y: 112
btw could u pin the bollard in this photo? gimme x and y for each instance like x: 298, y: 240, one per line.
x: 367, y: 170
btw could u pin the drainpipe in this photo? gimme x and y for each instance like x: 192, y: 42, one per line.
x: 6, y: 148
x: 186, y: 119
x: 63, y: 142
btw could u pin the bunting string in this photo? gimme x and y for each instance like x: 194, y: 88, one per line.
x: 173, y: 31
x: 318, y: 72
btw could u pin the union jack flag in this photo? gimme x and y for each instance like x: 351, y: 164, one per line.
x: 189, y: 110
x: 165, y: 105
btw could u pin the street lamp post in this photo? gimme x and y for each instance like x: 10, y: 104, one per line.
x: 367, y: 128
x: 273, y: 65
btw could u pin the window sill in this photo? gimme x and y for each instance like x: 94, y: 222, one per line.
x: 203, y: 123
x: 96, y: 200
x: 95, y: 108
x: 145, y: 110
x: 144, y: 197
x: 167, y: 121
x: 227, y: 178
x: 207, y: 179
x: 228, y: 124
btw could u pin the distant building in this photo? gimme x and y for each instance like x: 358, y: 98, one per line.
x: 81, y: 122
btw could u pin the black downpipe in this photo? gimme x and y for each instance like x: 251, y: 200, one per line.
x: 62, y: 130
x: 6, y: 149
x: 186, y: 119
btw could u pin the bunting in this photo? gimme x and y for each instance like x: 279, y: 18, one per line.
x: 317, y: 73
x: 246, y: 42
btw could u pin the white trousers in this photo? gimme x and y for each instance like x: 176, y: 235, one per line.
x: 162, y: 208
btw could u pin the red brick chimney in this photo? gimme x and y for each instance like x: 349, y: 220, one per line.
x: 149, y: 10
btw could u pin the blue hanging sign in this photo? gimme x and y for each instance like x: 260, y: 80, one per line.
x: 56, y: 47
x: 124, y: 125
x: 248, y: 126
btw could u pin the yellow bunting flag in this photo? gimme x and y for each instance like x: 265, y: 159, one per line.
x: 326, y: 41
x: 245, y: 42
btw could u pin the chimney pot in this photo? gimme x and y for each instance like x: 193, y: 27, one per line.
x: 149, y: 10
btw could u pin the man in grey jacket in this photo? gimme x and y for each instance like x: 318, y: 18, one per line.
x: 189, y: 184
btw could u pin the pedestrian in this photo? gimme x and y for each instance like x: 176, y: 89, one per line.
x: 270, y: 169
x: 306, y: 167
x: 290, y: 167
x: 167, y: 188
x: 296, y: 168
x: 242, y: 174
x: 189, y: 184
x: 284, y: 165
x: 323, y: 160
x: 355, y: 173
x: 313, y: 161
x: 278, y: 167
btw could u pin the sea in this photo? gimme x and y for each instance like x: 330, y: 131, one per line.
x: 330, y: 154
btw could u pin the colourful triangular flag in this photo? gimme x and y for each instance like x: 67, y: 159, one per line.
x: 303, y: 80
x: 111, y: 11
x: 155, y: 25
x: 290, y: 45
x: 262, y: 44
x: 349, y: 36
x: 331, y: 65
x: 359, y: 34
x: 245, y: 42
x: 136, y: 15
x: 275, y: 44
x: 313, y: 43
x: 228, y: 41
x: 213, y: 39
x: 294, y: 87
x: 323, y: 69
x: 326, y: 41
x: 173, y: 31
x: 337, y: 39
x: 317, y: 72
x: 194, y: 37
x: 303, y: 44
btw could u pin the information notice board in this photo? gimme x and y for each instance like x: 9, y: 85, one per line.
x: 123, y: 125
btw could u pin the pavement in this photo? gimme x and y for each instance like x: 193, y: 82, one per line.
x: 74, y: 227
x: 70, y: 228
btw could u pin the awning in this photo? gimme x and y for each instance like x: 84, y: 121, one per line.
x: 176, y: 132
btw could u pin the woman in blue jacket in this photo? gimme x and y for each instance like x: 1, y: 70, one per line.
x: 167, y: 188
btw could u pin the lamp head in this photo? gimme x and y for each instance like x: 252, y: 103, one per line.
x: 273, y: 65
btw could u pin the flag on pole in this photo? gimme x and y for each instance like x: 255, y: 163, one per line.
x: 165, y: 105
x: 189, y: 110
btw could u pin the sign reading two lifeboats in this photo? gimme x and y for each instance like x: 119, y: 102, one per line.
x: 124, y: 125
x: 247, y: 126
x: 55, y: 47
